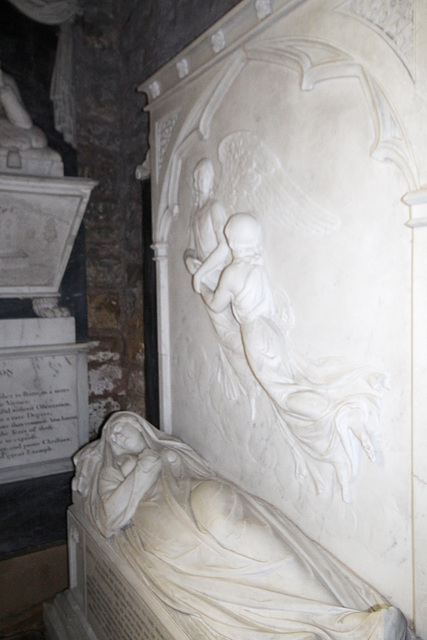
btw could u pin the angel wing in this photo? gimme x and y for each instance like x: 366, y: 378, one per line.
x: 253, y: 179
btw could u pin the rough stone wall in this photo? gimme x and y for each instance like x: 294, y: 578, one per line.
x: 113, y: 218
x: 119, y: 43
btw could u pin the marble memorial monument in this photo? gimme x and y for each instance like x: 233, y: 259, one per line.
x: 162, y: 547
x: 43, y: 371
x: 288, y: 166
x: 40, y: 209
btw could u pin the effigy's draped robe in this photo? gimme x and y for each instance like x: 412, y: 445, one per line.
x: 209, y: 549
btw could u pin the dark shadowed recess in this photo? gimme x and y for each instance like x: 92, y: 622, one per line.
x: 33, y: 513
x: 150, y: 313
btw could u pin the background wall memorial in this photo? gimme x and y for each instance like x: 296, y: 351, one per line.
x: 114, y: 41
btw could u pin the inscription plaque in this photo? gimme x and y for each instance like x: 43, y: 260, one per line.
x: 108, y: 599
x: 114, y: 610
x: 38, y: 409
x: 43, y: 397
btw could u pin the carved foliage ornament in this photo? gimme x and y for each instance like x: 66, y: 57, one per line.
x: 218, y: 41
x: 394, y: 19
x: 183, y: 68
x: 263, y: 8
x: 164, y: 129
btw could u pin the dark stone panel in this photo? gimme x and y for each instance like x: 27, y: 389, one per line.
x: 73, y: 286
x: 150, y: 312
x: 16, y: 308
x: 33, y: 513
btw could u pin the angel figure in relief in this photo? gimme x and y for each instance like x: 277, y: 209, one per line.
x: 325, y: 412
x: 252, y: 179
x: 323, y: 408
x: 205, y: 258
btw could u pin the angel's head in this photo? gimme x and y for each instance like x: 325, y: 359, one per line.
x: 203, y: 178
x: 244, y: 234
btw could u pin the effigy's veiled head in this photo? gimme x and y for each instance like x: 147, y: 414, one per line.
x: 126, y: 433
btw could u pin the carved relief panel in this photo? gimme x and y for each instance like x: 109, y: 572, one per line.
x: 284, y: 266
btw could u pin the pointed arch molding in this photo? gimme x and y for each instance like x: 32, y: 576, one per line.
x: 393, y: 21
x: 315, y: 61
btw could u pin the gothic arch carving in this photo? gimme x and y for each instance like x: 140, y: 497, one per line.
x: 316, y: 62
x: 393, y: 21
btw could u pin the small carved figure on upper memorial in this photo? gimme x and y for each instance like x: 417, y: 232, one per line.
x: 209, y: 550
x: 16, y: 126
x: 325, y: 411
x: 23, y: 146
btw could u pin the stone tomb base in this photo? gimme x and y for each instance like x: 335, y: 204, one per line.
x: 107, y: 600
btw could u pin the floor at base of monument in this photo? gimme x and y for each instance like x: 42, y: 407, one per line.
x: 34, y: 631
x: 25, y: 625
x: 28, y: 634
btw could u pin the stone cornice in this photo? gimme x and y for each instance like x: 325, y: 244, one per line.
x: 231, y: 32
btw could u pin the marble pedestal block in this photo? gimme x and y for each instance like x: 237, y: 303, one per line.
x: 43, y: 397
x: 106, y: 599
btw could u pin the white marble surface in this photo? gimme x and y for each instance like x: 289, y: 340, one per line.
x: 197, y: 555
x: 39, y: 220
x: 312, y: 116
x: 27, y: 332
